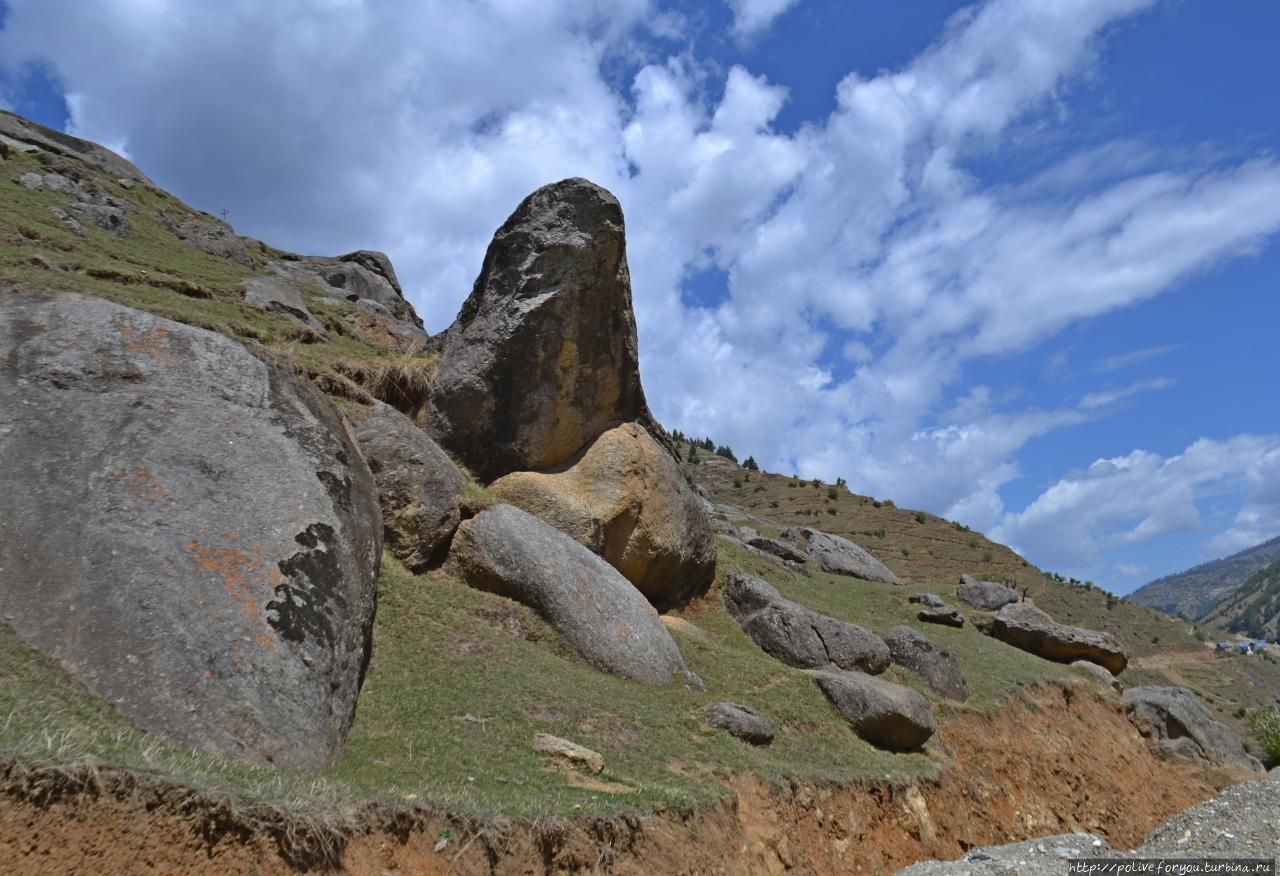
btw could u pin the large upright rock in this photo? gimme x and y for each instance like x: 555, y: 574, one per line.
x: 542, y: 358
x: 506, y: 551
x: 1024, y: 626
x: 626, y: 500
x: 883, y: 713
x: 1175, y: 723
x: 187, y: 529
x: 839, y: 556
x: 984, y: 595
x: 419, y: 487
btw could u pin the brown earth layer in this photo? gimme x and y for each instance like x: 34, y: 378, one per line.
x: 1048, y: 761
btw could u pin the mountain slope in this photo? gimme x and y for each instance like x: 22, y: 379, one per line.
x: 1191, y: 594
x: 1253, y: 608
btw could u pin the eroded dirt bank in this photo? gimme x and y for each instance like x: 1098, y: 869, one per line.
x: 1049, y: 761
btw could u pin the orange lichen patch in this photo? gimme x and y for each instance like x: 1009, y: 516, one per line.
x: 154, y: 342
x: 623, y: 631
x: 246, y: 575
x: 142, y: 483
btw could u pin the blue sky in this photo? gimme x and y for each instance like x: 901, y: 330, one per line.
x: 1011, y: 262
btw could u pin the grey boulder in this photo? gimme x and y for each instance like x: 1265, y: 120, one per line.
x: 911, y: 650
x: 603, y: 617
x: 885, y: 714
x: 187, y: 529
x: 779, y: 549
x: 542, y: 357
x: 745, y: 723
x: 799, y: 636
x: 945, y: 616
x: 1176, y: 724
x: 1026, y: 627
x: 419, y: 487
x: 275, y: 295
x: 928, y: 600
x: 839, y: 556
x: 1099, y: 673
x: 984, y: 595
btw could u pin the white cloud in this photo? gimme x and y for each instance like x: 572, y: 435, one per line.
x: 1143, y: 496
x: 1108, y: 397
x: 1135, y: 357
x: 753, y: 17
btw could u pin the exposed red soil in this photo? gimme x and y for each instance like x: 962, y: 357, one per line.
x: 1051, y: 760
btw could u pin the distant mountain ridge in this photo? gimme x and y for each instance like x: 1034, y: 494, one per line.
x: 1194, y: 593
x: 1253, y: 608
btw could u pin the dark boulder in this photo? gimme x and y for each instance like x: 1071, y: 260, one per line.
x: 745, y: 723
x: 542, y: 357
x: 799, y: 636
x: 984, y: 595
x: 779, y: 549
x: 940, y: 670
x: 885, y: 714
x: 1024, y: 626
x: 945, y: 616
x: 1176, y: 724
x: 419, y: 487
x: 187, y: 529
x: 512, y: 553
x: 839, y: 556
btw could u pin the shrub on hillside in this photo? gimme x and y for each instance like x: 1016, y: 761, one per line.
x: 1265, y: 724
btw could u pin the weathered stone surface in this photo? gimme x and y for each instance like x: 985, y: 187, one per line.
x: 277, y: 296
x: 945, y: 616
x: 512, y: 553
x: 745, y: 723
x: 626, y: 500
x: 928, y: 600
x: 940, y: 670
x: 1043, y: 856
x: 542, y: 358
x: 799, y: 636
x: 211, y: 236
x: 419, y: 487
x: 571, y: 752
x: 16, y: 129
x: 779, y: 549
x: 32, y: 181
x: 1175, y: 723
x: 1024, y: 626
x: 1099, y: 673
x: 187, y: 529
x: 839, y: 556
x: 984, y: 595
x: 883, y: 713
x: 378, y: 326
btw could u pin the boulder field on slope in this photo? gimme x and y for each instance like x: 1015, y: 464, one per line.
x: 1176, y: 724
x: 542, y: 357
x: 187, y: 529
x: 626, y: 500
x: 799, y: 636
x: 839, y: 556
x: 419, y: 487
x: 509, y: 552
x: 1026, y: 627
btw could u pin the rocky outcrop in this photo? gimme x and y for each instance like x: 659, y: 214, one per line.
x: 779, y: 549
x: 187, y: 529
x: 1176, y: 724
x: 940, y: 670
x: 745, y: 723
x: 1099, y: 673
x: 799, y: 636
x: 885, y: 714
x: 839, y: 556
x: 274, y: 295
x: 625, y: 499
x: 984, y: 595
x: 382, y: 315
x: 210, y: 236
x: 1024, y: 626
x: 542, y: 358
x: 506, y: 551
x: 419, y: 487
x: 28, y: 134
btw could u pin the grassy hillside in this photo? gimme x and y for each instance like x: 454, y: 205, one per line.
x: 1193, y: 594
x: 1252, y: 609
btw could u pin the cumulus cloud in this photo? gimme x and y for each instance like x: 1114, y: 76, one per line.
x: 866, y: 259
x: 752, y: 17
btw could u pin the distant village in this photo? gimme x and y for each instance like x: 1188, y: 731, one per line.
x: 1247, y: 648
